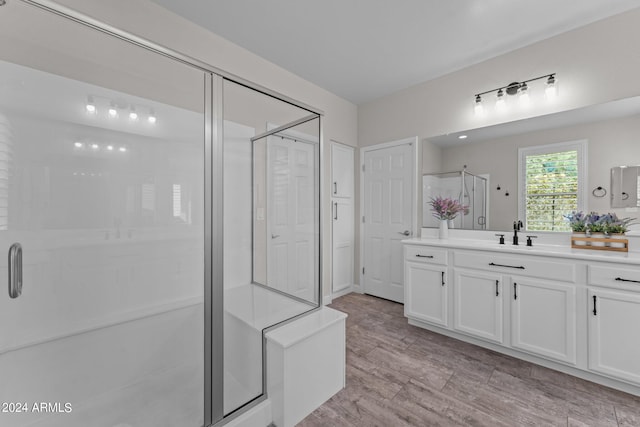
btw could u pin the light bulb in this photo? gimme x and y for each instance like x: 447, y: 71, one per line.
x: 478, y: 108
x: 110, y: 147
x: 94, y: 146
x: 152, y: 117
x: 500, y: 102
x: 551, y: 91
x: 113, y: 112
x: 122, y: 149
x: 91, y: 106
x: 524, y: 94
x: 133, y: 115
x: 78, y: 144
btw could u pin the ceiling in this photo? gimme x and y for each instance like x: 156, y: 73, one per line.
x: 365, y: 49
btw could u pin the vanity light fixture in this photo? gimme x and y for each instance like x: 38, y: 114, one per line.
x: 122, y: 149
x: 110, y: 147
x: 462, y: 137
x: 78, y: 144
x: 152, y: 117
x: 132, y: 114
x: 95, y: 146
x: 517, y: 88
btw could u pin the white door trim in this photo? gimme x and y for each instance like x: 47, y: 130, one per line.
x: 416, y: 186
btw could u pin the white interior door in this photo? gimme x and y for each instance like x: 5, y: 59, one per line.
x: 290, y: 220
x: 388, y: 218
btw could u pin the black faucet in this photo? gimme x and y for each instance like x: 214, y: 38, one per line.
x: 517, y: 225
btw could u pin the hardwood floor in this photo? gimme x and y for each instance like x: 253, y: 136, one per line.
x: 399, y: 375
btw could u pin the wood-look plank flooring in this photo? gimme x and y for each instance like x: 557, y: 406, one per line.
x: 401, y: 375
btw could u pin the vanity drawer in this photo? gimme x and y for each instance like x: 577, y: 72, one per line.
x: 615, y: 276
x: 532, y: 266
x: 426, y: 254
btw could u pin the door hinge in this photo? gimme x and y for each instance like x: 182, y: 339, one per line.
x: 362, y: 270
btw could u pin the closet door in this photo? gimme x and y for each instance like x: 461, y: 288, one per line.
x: 102, y: 216
x: 342, y: 174
x: 342, y: 244
x: 341, y: 170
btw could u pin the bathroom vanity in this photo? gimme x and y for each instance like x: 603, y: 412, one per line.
x: 571, y: 310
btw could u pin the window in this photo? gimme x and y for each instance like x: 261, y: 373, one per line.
x: 551, y: 184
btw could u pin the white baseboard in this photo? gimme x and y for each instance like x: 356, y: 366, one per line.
x: 342, y: 292
x: 357, y: 288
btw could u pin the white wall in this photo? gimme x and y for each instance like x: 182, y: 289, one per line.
x: 155, y: 23
x: 594, y: 64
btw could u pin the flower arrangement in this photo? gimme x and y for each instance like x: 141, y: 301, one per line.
x: 446, y: 208
x: 615, y: 225
x: 596, y: 223
x: 577, y: 221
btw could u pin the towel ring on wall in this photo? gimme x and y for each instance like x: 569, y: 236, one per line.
x: 599, y: 192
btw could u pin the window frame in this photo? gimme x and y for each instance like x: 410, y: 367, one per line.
x: 579, y: 145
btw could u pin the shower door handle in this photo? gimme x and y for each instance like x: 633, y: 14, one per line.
x: 405, y: 233
x: 15, y: 270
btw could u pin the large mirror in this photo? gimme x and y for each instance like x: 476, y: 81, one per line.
x: 609, y: 131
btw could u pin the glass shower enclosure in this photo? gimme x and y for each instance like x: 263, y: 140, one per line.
x: 469, y: 189
x: 156, y: 229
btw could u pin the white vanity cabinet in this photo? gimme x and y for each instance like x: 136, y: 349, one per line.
x: 574, y: 311
x: 426, y: 289
x: 478, y: 304
x: 542, y: 297
x: 614, y: 321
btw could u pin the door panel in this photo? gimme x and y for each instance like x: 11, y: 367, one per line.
x: 478, y: 299
x: 109, y: 209
x: 613, y: 325
x: 291, y: 200
x: 544, y: 319
x: 388, y: 215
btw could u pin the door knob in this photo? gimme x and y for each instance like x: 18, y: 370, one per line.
x: 405, y: 233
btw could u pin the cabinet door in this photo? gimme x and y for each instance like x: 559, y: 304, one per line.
x: 544, y: 318
x: 426, y: 293
x: 614, y: 347
x: 343, y: 238
x: 478, y: 304
x: 342, y: 170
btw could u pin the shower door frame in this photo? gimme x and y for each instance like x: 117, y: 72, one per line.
x: 213, y: 215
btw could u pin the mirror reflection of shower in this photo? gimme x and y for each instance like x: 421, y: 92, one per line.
x: 469, y: 189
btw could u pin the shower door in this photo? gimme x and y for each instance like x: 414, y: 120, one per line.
x: 102, y: 211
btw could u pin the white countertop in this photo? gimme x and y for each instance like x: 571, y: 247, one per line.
x: 562, y: 251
